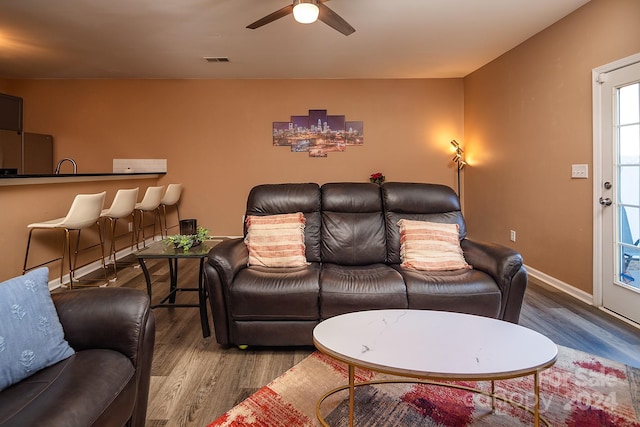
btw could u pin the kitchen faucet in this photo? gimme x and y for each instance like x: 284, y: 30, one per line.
x: 67, y: 159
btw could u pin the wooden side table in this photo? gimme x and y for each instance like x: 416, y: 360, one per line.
x: 160, y: 250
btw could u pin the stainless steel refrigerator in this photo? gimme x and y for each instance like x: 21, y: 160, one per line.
x: 26, y: 154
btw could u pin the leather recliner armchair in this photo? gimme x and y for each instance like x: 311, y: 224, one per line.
x: 106, y: 382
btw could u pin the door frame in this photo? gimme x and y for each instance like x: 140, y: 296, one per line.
x: 598, y: 77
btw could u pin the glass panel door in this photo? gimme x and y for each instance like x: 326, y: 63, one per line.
x: 628, y: 148
x: 620, y: 190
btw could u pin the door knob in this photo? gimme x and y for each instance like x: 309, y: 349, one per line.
x: 605, y: 202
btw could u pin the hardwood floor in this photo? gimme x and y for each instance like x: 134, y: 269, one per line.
x: 195, y: 380
x: 572, y: 323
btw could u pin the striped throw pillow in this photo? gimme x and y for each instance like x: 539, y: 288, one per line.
x: 276, y: 240
x: 430, y: 246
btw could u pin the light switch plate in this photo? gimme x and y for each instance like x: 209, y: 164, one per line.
x: 580, y: 171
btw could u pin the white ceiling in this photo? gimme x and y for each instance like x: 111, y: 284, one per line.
x: 169, y: 38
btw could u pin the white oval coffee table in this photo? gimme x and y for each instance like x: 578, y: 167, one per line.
x: 434, y: 345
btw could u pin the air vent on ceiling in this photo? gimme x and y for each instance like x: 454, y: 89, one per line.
x: 216, y: 59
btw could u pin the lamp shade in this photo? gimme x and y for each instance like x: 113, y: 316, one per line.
x: 305, y: 12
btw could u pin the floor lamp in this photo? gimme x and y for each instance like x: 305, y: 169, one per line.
x: 459, y: 161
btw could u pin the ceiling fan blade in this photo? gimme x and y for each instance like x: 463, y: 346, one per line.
x: 287, y: 10
x: 334, y: 20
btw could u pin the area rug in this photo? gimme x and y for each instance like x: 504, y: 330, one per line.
x: 579, y: 390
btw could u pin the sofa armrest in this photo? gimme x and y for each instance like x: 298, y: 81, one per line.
x: 118, y: 319
x: 224, y: 261
x: 505, y: 266
x: 110, y: 318
x: 228, y: 257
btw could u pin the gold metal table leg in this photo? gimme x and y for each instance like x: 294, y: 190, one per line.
x: 536, y: 408
x: 535, y: 411
x: 351, y: 392
x: 493, y: 396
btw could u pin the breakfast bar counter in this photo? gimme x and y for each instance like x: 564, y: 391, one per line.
x: 33, y: 198
x: 79, y: 177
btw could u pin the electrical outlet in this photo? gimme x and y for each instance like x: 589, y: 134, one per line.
x: 512, y: 235
x: 130, y: 226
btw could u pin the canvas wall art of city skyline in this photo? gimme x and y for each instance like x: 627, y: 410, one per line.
x: 318, y: 133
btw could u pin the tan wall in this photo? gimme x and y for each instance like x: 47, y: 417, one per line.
x: 216, y: 135
x: 528, y: 117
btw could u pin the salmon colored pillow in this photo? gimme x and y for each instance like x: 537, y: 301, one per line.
x: 430, y: 246
x: 276, y: 240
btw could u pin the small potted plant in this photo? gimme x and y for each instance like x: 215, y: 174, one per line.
x: 187, y: 241
x: 377, y: 178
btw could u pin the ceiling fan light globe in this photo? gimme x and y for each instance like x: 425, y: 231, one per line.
x: 305, y: 13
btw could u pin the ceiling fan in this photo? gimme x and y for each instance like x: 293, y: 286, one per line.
x: 306, y: 12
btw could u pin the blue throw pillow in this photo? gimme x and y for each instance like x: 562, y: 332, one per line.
x: 31, y: 336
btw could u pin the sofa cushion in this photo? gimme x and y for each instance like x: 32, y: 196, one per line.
x: 260, y: 293
x: 418, y: 202
x: 344, y: 289
x: 273, y: 199
x: 463, y: 291
x: 104, y: 379
x: 276, y: 240
x: 31, y: 336
x: 430, y: 246
x: 353, y: 231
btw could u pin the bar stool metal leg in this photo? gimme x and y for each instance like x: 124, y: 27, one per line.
x: 26, y: 256
x: 123, y: 206
x: 84, y: 212
x: 150, y: 203
x: 170, y: 198
x: 72, y: 269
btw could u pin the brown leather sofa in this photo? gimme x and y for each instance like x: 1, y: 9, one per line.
x: 106, y: 382
x: 353, y: 246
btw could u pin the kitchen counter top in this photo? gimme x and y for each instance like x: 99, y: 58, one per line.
x: 79, y: 177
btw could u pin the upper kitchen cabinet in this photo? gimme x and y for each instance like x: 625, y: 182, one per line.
x: 10, y: 112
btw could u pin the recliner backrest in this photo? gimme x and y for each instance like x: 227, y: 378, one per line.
x: 353, y: 230
x: 274, y: 199
x: 418, y: 202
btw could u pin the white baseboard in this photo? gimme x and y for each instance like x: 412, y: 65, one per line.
x: 90, y: 268
x: 617, y: 316
x: 574, y: 292
x: 560, y: 285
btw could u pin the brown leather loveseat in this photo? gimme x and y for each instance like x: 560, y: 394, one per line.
x: 106, y: 381
x: 352, y: 245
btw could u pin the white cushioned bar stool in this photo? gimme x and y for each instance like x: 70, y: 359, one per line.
x: 149, y: 203
x: 122, y: 206
x: 83, y: 213
x: 170, y: 198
